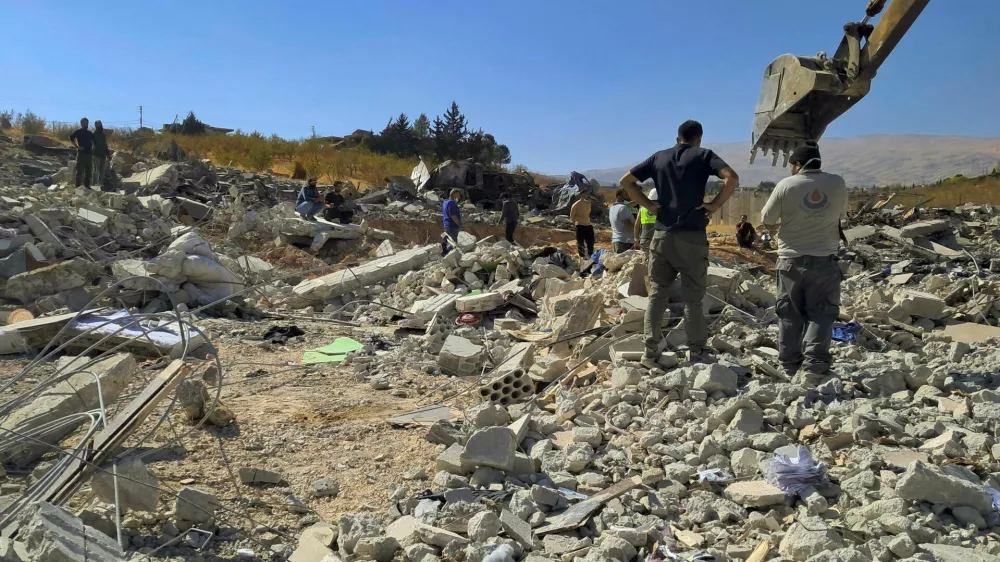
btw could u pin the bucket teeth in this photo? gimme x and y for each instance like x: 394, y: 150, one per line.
x: 778, y: 148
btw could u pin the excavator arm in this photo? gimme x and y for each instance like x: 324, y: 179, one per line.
x: 801, y: 96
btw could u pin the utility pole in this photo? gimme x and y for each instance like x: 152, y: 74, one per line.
x: 140, y: 116
x: 313, y: 131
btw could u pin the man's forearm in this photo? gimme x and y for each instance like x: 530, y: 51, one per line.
x: 631, y: 187
x: 637, y: 230
x: 728, y: 188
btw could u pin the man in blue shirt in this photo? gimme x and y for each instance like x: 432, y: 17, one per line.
x: 307, y: 203
x: 452, y: 219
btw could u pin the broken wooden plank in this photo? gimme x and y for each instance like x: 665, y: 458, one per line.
x: 579, y: 513
x: 760, y: 553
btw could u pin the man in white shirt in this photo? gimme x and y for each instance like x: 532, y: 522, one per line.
x: 805, y: 211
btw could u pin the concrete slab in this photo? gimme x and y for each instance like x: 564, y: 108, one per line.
x: 78, y: 393
x: 29, y: 286
x: 376, y: 271
x: 54, y: 534
x: 162, y: 176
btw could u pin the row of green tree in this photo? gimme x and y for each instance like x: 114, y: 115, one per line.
x: 449, y: 137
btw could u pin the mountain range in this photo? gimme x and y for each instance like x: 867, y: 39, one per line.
x: 882, y: 160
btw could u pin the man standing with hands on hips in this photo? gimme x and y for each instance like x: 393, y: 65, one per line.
x: 680, y: 242
x: 805, y: 210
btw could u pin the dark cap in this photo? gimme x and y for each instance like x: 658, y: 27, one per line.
x: 804, y: 153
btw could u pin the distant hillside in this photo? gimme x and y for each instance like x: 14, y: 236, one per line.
x: 868, y: 160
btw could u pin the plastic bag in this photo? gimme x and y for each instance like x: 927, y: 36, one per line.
x: 794, y: 475
x: 192, y: 245
x: 847, y: 333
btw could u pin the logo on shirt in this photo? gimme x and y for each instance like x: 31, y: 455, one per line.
x: 815, y: 200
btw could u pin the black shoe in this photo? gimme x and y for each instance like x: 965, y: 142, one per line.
x: 650, y: 361
x: 699, y: 355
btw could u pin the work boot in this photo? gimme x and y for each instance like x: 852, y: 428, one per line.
x: 699, y: 355
x: 650, y: 361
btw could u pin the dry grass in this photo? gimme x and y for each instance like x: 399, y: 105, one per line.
x: 953, y: 192
x: 247, y: 151
x: 542, y: 179
x: 328, y: 163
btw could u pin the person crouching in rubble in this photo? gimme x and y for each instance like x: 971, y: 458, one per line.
x: 307, y: 204
x: 745, y: 233
x: 804, y: 211
x: 680, y: 240
x: 337, y: 209
x: 451, y: 216
x: 622, y: 223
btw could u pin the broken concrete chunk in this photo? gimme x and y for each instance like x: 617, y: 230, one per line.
x: 949, y: 553
x: 483, y: 302
x: 78, y: 393
x: 924, y: 228
x: 53, y: 534
x: 370, y: 273
x: 922, y: 305
x: 809, y: 537
x: 714, y: 378
x: 755, y: 493
x: 137, y: 487
x: 483, y: 526
x: 491, y: 447
x: 925, y: 483
x: 29, y: 286
x: 460, y: 357
x: 195, y: 506
x: 516, y: 529
x: 252, y: 475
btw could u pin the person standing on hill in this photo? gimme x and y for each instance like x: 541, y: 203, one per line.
x: 509, y: 214
x: 101, y: 153
x: 83, y: 140
x: 622, y: 224
x: 579, y: 213
x: 680, y: 240
x: 805, y: 210
x: 451, y: 217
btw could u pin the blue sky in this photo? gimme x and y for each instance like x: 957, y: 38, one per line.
x: 566, y: 85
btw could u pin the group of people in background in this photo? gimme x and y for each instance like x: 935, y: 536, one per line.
x: 804, y: 210
x: 92, y: 154
x: 333, y: 204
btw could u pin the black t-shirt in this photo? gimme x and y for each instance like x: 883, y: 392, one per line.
x: 334, y: 198
x: 84, y: 138
x: 680, y: 175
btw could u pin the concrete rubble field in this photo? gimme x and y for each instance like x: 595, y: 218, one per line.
x: 489, y: 404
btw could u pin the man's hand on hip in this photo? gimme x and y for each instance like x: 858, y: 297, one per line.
x: 710, y: 208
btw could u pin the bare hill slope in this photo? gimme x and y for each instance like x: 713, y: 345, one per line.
x: 868, y: 160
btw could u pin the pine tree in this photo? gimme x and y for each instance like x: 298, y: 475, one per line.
x: 422, y: 127
x: 450, y: 133
x: 191, y: 125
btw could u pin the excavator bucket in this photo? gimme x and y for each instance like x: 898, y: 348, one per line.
x: 801, y: 96
x: 799, y: 99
